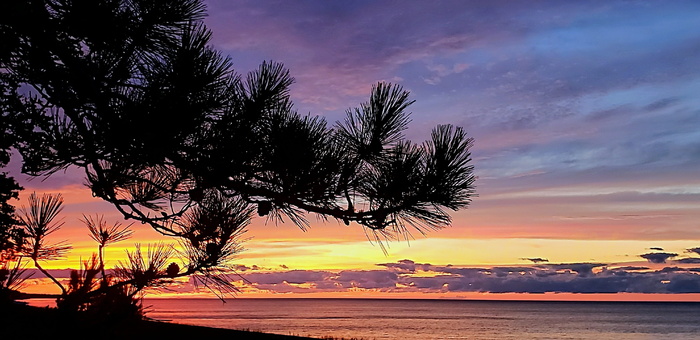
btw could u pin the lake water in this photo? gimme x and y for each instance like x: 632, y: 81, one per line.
x: 438, y: 319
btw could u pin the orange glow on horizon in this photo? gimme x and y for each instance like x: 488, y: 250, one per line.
x: 368, y: 294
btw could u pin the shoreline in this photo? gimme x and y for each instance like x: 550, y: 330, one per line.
x: 33, y: 322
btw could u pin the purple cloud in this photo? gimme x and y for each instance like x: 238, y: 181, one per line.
x: 292, y: 276
x: 695, y: 250
x: 688, y: 260
x: 658, y: 257
x: 401, y: 266
x: 535, y: 259
x: 427, y: 278
x: 369, y: 279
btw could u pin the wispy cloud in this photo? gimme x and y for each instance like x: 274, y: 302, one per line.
x: 568, y: 96
x: 585, y: 116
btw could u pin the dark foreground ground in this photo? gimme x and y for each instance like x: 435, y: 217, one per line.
x: 25, y: 323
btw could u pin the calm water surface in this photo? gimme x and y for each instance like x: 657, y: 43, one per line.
x: 438, y: 319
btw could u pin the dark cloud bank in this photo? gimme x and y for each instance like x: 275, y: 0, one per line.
x: 409, y: 276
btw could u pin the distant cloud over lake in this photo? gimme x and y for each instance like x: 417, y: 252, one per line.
x: 407, y: 276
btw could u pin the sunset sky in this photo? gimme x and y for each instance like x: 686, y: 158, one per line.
x: 586, y: 120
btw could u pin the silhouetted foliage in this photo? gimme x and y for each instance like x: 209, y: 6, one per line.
x: 103, y: 295
x: 11, y: 236
x: 12, y: 278
x: 166, y: 131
